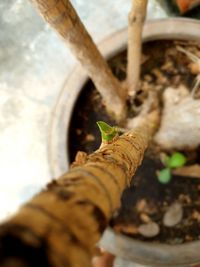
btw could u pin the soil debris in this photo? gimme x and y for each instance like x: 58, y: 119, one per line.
x: 161, y: 79
x: 141, y: 205
x: 126, y: 229
x: 194, y: 68
x: 196, y: 215
x: 78, y: 131
x: 145, y: 207
x: 145, y: 218
x: 89, y: 138
x: 184, y: 199
x: 173, y: 215
x: 149, y: 230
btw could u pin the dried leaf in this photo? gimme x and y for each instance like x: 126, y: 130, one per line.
x: 188, y: 171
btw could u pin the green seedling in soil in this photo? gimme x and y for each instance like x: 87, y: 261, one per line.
x: 108, y: 133
x: 176, y: 160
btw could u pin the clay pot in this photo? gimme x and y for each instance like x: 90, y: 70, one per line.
x: 146, y: 253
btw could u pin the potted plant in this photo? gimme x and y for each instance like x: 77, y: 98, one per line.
x: 60, y: 225
x: 118, y: 244
x: 157, y: 254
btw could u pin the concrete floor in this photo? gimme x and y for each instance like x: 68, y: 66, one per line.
x: 34, y: 64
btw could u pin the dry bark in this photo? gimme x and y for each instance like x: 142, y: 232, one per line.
x: 180, y: 123
x: 61, y: 225
x: 61, y: 15
x: 136, y: 20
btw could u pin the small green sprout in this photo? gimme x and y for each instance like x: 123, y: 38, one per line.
x: 164, y: 176
x: 176, y: 160
x: 108, y: 133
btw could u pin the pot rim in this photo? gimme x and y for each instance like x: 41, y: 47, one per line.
x: 174, y: 28
x: 148, y: 253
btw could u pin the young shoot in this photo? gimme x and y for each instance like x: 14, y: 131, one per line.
x: 176, y: 160
x: 108, y: 133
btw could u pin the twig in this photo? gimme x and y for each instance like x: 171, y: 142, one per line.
x: 196, y: 86
x: 188, y: 171
x: 190, y: 55
x: 136, y: 20
x: 61, y: 15
x: 194, y: 59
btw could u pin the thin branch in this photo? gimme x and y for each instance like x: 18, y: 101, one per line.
x: 196, y: 86
x: 196, y: 60
x: 136, y: 20
x: 61, y: 15
x: 190, y: 55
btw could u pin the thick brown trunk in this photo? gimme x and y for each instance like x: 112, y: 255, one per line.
x: 61, y: 225
x: 61, y: 15
x: 136, y: 20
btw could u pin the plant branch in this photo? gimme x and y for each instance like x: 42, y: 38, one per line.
x: 61, y: 225
x: 136, y: 20
x: 61, y: 15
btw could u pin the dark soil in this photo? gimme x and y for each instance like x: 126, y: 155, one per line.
x: 146, y: 199
x: 147, y: 196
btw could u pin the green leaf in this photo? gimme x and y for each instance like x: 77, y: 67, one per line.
x: 177, y: 160
x: 164, y: 176
x: 107, y: 132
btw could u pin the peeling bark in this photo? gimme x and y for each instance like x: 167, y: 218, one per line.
x: 136, y: 20
x: 61, y: 15
x: 61, y: 225
x: 180, y: 123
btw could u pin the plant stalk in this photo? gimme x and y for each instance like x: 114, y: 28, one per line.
x: 137, y: 17
x: 61, y: 15
x: 61, y: 225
